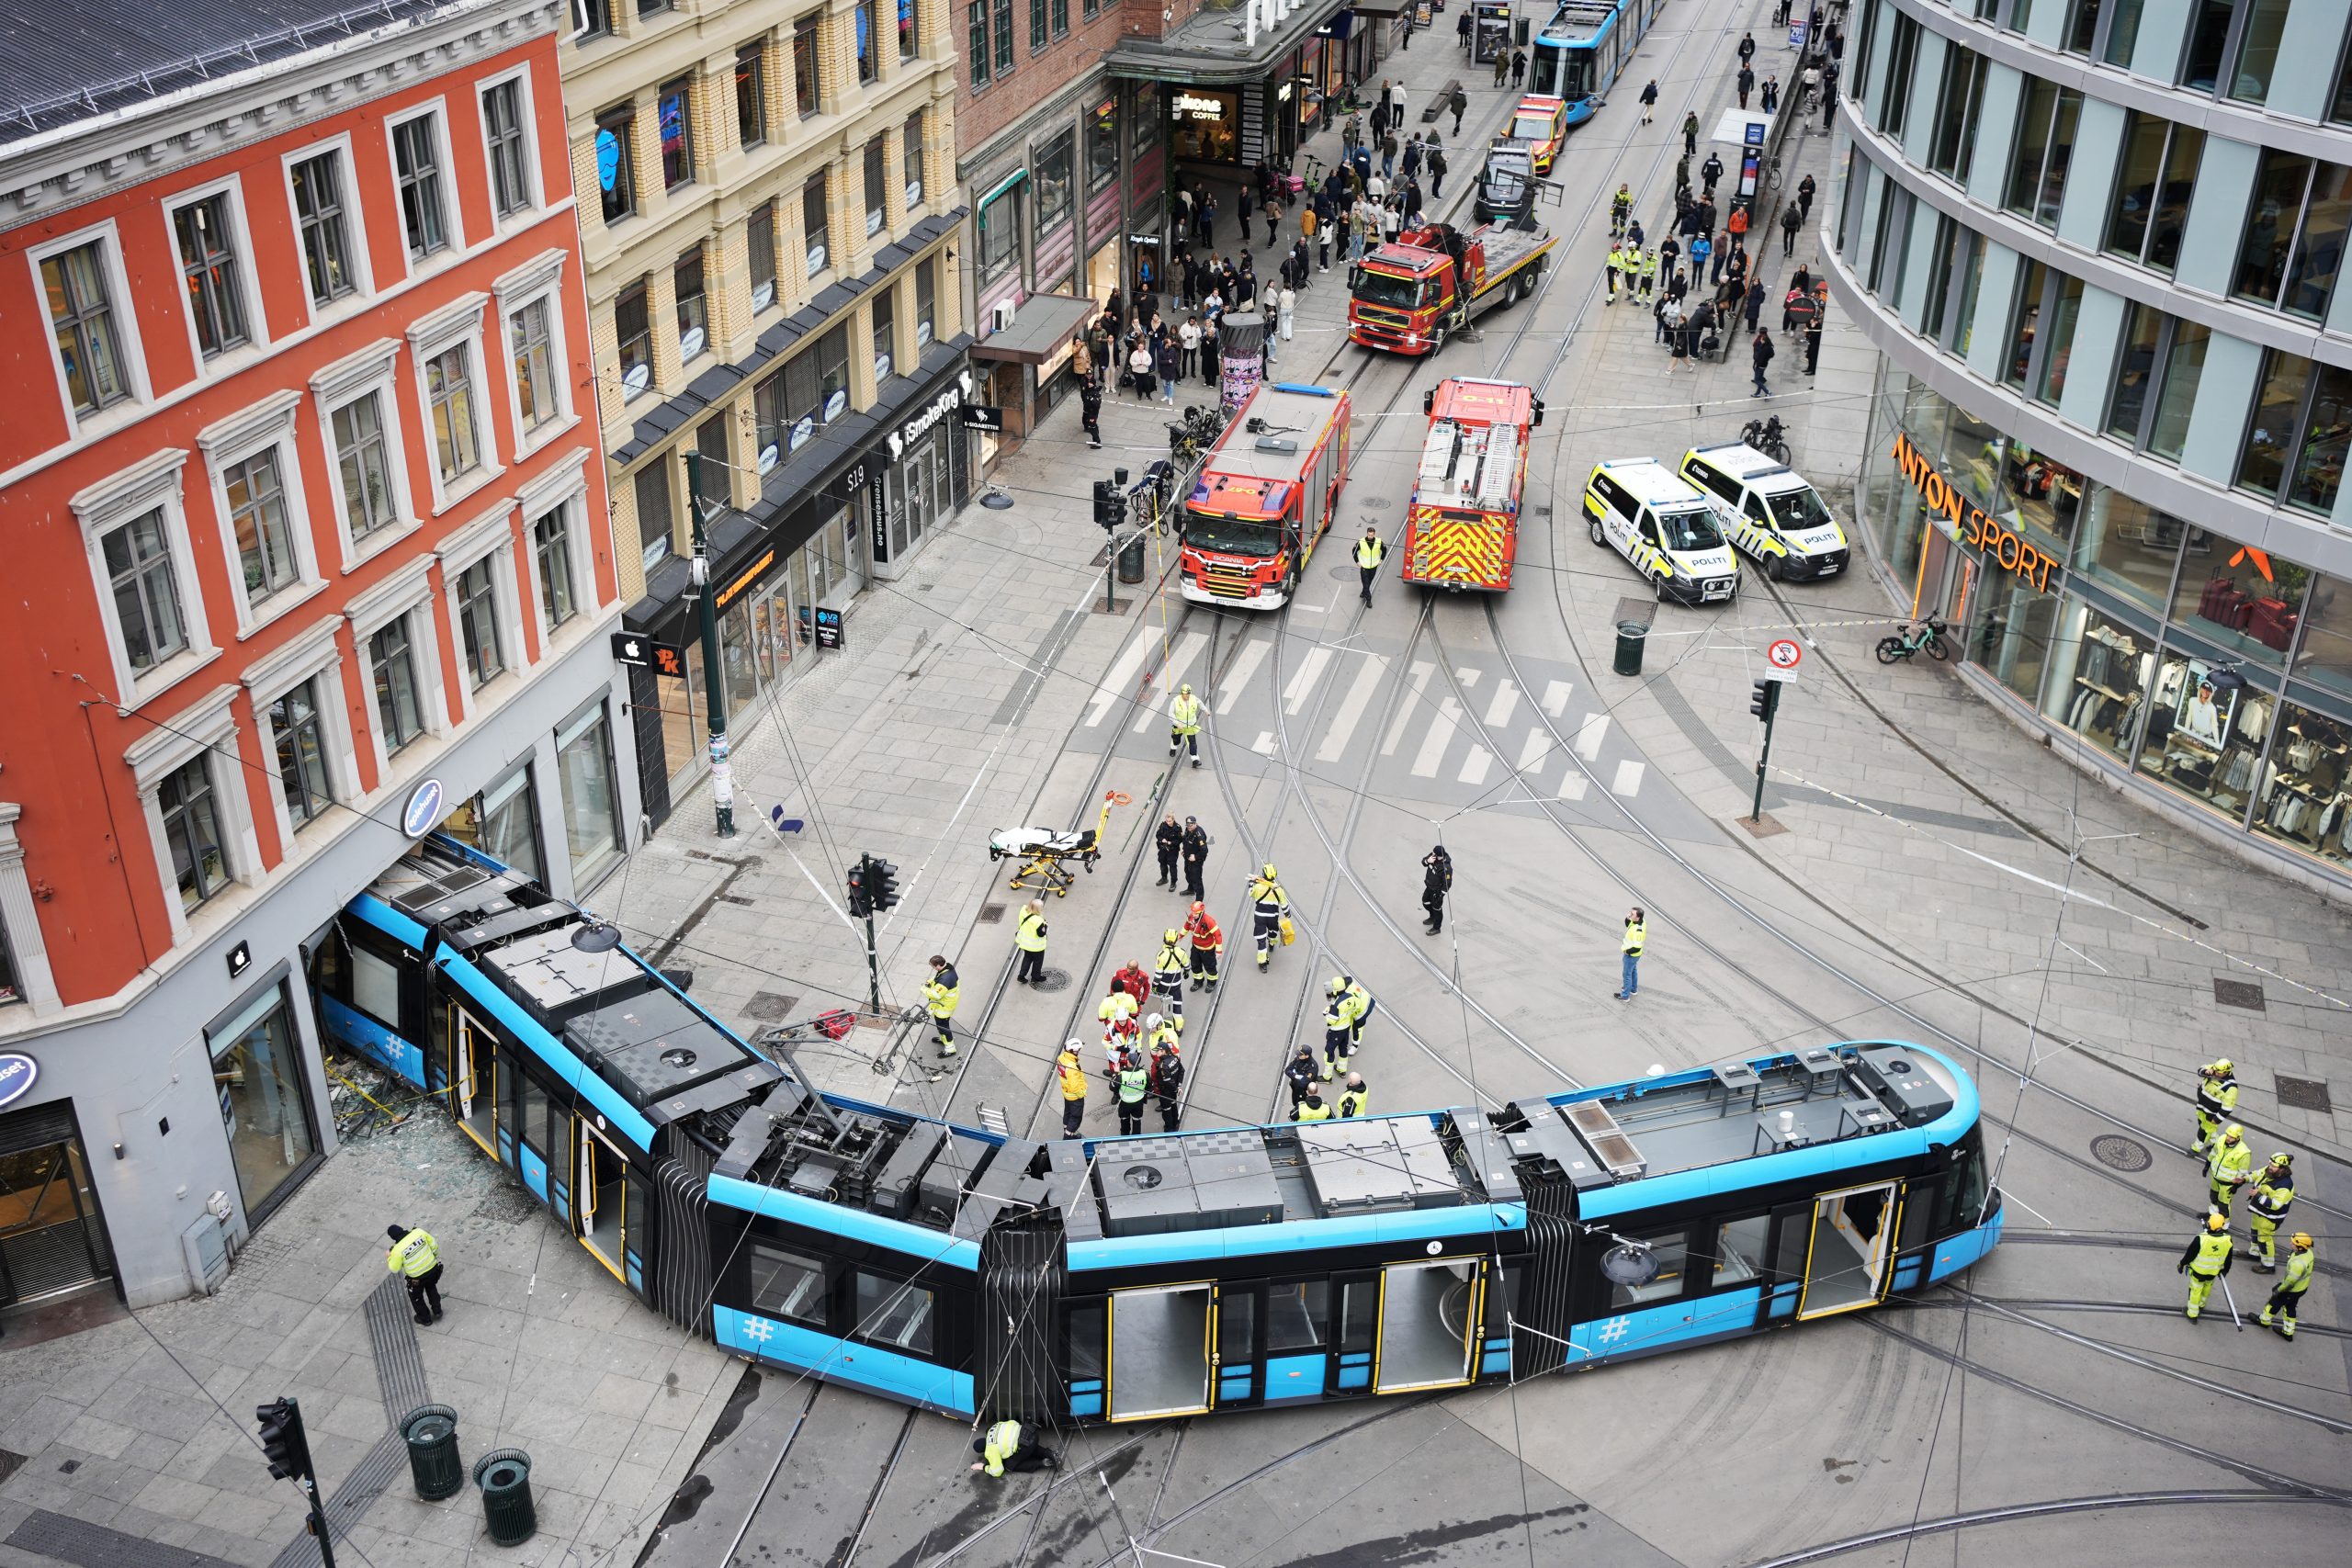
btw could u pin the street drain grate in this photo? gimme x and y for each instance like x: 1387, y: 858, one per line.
x: 770, y: 1006
x: 2118, y: 1153
x: 992, y: 914
x: 1054, y: 980
x: 2305, y: 1094
x: 2238, y: 994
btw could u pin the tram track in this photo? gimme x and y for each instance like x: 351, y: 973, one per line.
x: 2137, y: 1309
x: 2016, y: 1512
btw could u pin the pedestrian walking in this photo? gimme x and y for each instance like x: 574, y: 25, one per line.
x: 417, y: 1259
x: 1323, y: 213
x: 1437, y: 881
x: 1808, y: 88
x: 1791, y: 221
x: 1005, y: 1448
x: 939, y: 997
x: 1649, y: 100
x: 1275, y: 214
x: 1709, y: 173
x: 1380, y: 114
x: 1268, y: 912
x: 2217, y: 1100
x: 1411, y: 161
x: 2228, y: 1167
x: 1184, y: 722
x: 1207, y: 222
x: 1029, y: 936
x: 1299, y: 1075
x: 1755, y: 303
x: 1829, y: 97
x: 1284, y: 303
x: 1089, y: 410
x: 1397, y: 104
x: 1805, y: 188
x: 1167, y: 1071
x: 1620, y: 209
x: 1208, y: 945
x: 1690, y: 134
x: 1462, y: 32
x: 1629, y: 954
x: 2279, y: 1312
x: 2267, y: 1204
x: 1760, y: 352
x: 1770, y: 95
x: 1502, y: 68
x: 1813, y: 343
x: 1196, y: 857
x: 1388, y: 156
x: 1354, y: 1099
x: 1458, y: 100
x: 1518, y: 67
x: 1370, y: 551
x: 1747, y: 48
x: 1746, y: 84
x: 1071, y: 1077
x: 2204, y: 1260
x: 1437, y: 172
x: 1130, y: 1086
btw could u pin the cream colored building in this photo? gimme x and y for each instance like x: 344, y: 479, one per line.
x: 767, y: 206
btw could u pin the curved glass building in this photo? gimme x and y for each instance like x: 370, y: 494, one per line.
x: 2100, y: 246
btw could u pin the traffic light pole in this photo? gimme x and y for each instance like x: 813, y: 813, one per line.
x: 1772, y: 712
x: 287, y: 1448
x: 722, y: 772
x: 319, y: 1522
x: 873, y: 968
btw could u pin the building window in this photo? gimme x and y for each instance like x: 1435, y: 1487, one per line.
x: 877, y: 188
x: 999, y: 235
x: 886, y: 332
x: 1902, y: 54
x: 510, y: 148
x: 257, y: 495
x: 503, y: 822
x: 2135, y: 368
x: 2058, y: 342
x: 907, y: 40
x: 2081, y: 27
x: 869, y: 46
x: 2033, y: 281
x: 2295, y: 234
x: 2122, y: 31
x: 592, y: 19
x: 811, y: 391
x: 2045, y: 146
x: 616, y: 169
x: 81, y: 315
x: 319, y: 215
x: 301, y: 753
x: 693, y: 315
x: 477, y: 621
x: 1102, y: 146
x: 2259, y: 35
x: 1037, y: 27
x: 2295, y: 444
x: 2182, y: 364
x: 1958, y: 101
x: 2160, y: 364
x: 363, y: 464
x: 751, y: 93
x: 146, y: 591
x: 713, y: 466
x: 416, y: 161
x: 814, y: 208
x: 1061, y: 19
x: 2151, y: 194
x: 399, y: 714
x: 584, y: 762
x: 926, y: 302
x: 551, y: 548
x: 2340, y: 111
x: 192, y: 829
x: 1947, y: 270
x: 677, y: 120
x: 976, y: 20
x: 530, y: 332
x: 759, y: 243
x: 653, y: 523
x: 633, y: 326
x: 216, y: 301
x: 1004, y: 38
x: 1053, y: 170
x: 910, y: 158
x: 803, y: 65
x: 264, y: 1105
x: 449, y: 394
x: 2209, y: 39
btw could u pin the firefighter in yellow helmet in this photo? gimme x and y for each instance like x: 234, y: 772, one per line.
x: 2228, y: 1167
x: 2217, y: 1100
x: 1184, y: 722
x: 1267, y: 905
x: 2206, y: 1259
x: 2266, y: 1203
x: 1168, y: 967
x: 2279, y: 1312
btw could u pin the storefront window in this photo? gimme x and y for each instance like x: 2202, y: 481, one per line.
x: 2326, y: 658
x: 1102, y: 146
x: 1143, y: 118
x: 1205, y: 125
x: 741, y: 661
x: 2245, y: 600
x: 2044, y: 497
x: 263, y: 1108
x: 2101, y: 683
x: 999, y: 234
x: 503, y: 822
x: 2013, y: 625
x: 583, y: 764
x: 2307, y: 798
x: 1975, y: 458
x: 2128, y: 546
x: 2205, y: 734
x: 1053, y: 180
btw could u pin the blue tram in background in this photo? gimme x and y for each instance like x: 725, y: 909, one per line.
x: 1586, y: 46
x: 1133, y: 1279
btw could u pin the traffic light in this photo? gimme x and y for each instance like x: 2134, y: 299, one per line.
x: 1765, y: 700
x: 861, y: 896
x: 1109, y: 509
x: 882, y: 882
x: 282, y: 1440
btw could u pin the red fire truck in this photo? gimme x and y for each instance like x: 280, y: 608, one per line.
x: 1265, y: 495
x: 1408, y: 296
x: 1462, y: 529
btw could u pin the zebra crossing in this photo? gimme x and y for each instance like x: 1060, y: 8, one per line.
x: 1480, y: 736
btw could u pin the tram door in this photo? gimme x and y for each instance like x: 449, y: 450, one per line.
x: 1429, y: 1317
x: 611, y: 1203
x: 1163, y: 1360
x: 1853, y: 1240
x: 473, y: 1077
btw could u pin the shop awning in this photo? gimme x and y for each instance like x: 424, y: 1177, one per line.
x: 1042, y: 327
x: 1380, y: 7
x: 1222, y: 46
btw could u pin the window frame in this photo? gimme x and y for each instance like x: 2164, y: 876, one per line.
x: 453, y: 241
x: 2132, y: 120
x: 373, y: 372
x: 357, y: 265
x: 255, y: 339
x: 405, y: 597
x: 659, y: 470
x: 2293, y: 448
x: 642, y: 288
x: 913, y: 132
x: 1967, y: 70
x: 2316, y: 171
x: 976, y: 26
x: 459, y: 325
x: 206, y: 736
x: 1000, y: 24
x: 685, y: 83
x: 266, y: 427
x: 620, y: 119
x: 152, y: 483
x: 808, y: 28
x: 539, y: 282
x: 875, y: 159
x: 313, y: 659
x: 772, y: 281
x: 525, y: 133
x: 123, y: 320
x: 289, y: 737
x: 2233, y: 56
x: 753, y: 53
x: 811, y: 244
x: 2031, y: 211
x: 697, y: 256
x: 868, y: 69
x: 1902, y: 63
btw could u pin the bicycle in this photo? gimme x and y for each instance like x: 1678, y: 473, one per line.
x: 1929, y: 634
x: 1766, y: 436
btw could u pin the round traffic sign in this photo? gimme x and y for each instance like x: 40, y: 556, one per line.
x: 1784, y: 654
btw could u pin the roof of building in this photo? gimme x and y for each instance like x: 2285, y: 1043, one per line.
x: 75, y: 60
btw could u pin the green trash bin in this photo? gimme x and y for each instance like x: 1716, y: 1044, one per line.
x: 504, y: 1477
x: 432, y: 1460
x: 1131, y: 558
x: 1630, y: 634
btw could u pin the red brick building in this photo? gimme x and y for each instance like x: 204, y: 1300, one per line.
x: 308, y: 552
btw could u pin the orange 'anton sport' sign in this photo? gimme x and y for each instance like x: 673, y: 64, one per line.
x: 1971, y: 523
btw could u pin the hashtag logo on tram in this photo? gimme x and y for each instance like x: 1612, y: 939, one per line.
x: 1615, y: 1329
x: 758, y: 1330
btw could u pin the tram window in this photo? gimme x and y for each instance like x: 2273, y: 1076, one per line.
x: 531, y: 1122
x: 1796, y: 1240
x: 894, y: 1312
x: 1294, y: 1314
x: 376, y: 988
x: 1969, y: 1195
x: 1359, y: 1309
x: 1502, y: 1297
x: 1672, y: 1249
x: 1236, y: 1326
x: 1921, y: 1202
x: 788, y: 1284
x: 1739, y: 1249
x: 1084, y: 1357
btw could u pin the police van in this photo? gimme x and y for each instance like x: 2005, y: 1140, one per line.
x: 1662, y: 526
x: 1768, y: 511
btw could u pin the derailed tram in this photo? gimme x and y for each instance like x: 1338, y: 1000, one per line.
x: 1141, y: 1278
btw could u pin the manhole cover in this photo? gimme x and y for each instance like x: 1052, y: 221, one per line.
x: 770, y: 1006
x: 2118, y: 1153
x: 2238, y: 994
x: 1054, y: 980
x: 1378, y: 503
x: 992, y: 914
x: 2305, y: 1094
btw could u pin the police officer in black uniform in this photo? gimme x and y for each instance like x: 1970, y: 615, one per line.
x: 1437, y: 881
x: 1196, y: 857
x: 1168, y: 838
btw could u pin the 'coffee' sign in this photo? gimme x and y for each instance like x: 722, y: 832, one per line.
x: 1969, y: 523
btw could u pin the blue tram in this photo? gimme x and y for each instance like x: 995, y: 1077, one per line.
x: 1581, y: 52
x: 1142, y: 1278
